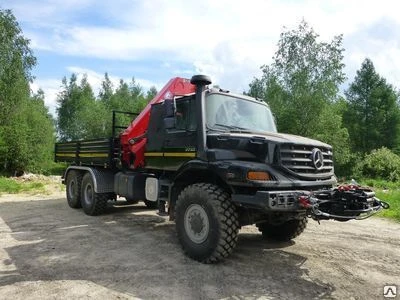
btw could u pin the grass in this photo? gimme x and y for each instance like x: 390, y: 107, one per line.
x: 393, y: 198
x: 389, y: 192
x: 381, y: 184
x: 12, y: 186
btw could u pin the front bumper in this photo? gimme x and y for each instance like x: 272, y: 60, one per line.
x: 278, y: 201
x: 343, y: 203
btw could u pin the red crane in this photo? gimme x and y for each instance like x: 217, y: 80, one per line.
x: 133, y: 139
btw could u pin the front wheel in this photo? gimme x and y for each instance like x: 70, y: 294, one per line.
x: 206, y: 222
x: 285, y: 231
x: 93, y: 203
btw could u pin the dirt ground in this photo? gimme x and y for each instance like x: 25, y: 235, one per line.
x: 49, y: 251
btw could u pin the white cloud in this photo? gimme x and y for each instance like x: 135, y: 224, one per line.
x: 50, y: 87
x: 379, y: 41
x: 94, y: 78
x: 47, y: 13
x: 226, y: 39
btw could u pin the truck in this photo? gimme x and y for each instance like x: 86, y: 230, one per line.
x: 216, y: 161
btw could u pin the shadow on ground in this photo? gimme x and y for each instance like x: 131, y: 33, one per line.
x: 132, y: 250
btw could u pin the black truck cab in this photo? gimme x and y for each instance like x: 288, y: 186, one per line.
x: 241, y: 148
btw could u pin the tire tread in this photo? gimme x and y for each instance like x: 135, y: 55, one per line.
x: 283, y: 232
x: 78, y: 178
x: 226, y: 214
x: 99, y: 204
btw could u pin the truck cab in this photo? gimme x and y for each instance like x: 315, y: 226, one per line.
x: 240, y: 131
x: 214, y: 139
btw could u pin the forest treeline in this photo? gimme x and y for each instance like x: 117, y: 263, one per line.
x: 304, y: 86
x: 83, y: 115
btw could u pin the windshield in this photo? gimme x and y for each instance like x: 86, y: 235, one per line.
x: 229, y: 113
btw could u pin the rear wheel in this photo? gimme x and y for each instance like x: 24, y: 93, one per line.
x: 206, y: 222
x: 92, y: 203
x: 73, y: 187
x: 285, y: 231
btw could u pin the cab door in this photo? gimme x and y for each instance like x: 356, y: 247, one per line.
x: 180, y: 141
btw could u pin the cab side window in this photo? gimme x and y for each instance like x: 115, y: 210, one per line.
x: 185, y: 114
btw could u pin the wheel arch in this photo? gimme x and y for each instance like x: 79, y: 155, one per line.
x: 196, y: 172
x: 103, y: 180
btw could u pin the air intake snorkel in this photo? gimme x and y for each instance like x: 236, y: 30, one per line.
x: 201, y: 81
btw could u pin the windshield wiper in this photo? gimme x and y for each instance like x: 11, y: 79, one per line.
x: 233, y: 128
x: 214, y: 129
x: 225, y: 126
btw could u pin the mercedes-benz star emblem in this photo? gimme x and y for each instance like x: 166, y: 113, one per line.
x: 317, y: 159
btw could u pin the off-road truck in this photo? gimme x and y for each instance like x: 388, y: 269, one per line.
x: 216, y: 160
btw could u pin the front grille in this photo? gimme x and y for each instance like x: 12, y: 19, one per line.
x: 297, y: 159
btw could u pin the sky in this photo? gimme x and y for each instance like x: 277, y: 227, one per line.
x: 229, y: 40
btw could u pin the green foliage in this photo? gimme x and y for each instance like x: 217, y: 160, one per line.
x: 379, y: 164
x: 301, y: 86
x: 16, y: 149
x: 151, y: 93
x: 372, y: 115
x: 26, y: 129
x: 125, y: 99
x: 53, y: 168
x: 81, y: 115
x: 16, y: 63
x: 106, y: 90
x: 40, y: 133
x: 332, y: 132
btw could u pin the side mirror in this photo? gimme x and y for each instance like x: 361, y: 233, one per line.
x: 169, y: 122
x: 169, y: 108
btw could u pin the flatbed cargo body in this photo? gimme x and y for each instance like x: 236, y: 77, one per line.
x: 103, y: 152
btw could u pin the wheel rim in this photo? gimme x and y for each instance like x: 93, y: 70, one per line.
x: 71, y: 189
x: 88, y: 194
x: 196, y: 223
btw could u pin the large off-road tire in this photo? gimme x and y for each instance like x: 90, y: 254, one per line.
x: 283, y: 232
x: 151, y: 204
x: 93, y: 203
x: 73, y: 188
x: 206, y: 222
